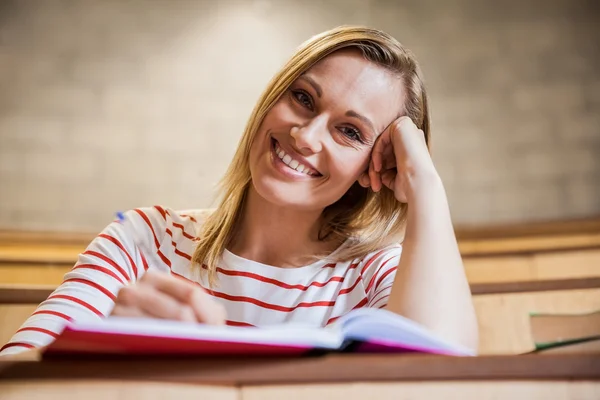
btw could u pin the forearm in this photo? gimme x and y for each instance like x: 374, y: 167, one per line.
x: 430, y: 286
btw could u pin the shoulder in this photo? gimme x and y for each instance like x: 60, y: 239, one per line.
x: 158, y: 220
x: 381, y: 257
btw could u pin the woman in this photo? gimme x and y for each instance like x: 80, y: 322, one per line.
x: 332, y: 172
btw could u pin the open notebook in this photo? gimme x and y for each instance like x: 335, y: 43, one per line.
x: 361, y: 330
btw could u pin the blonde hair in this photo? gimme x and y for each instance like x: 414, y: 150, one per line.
x: 371, y: 220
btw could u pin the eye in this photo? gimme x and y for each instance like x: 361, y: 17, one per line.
x: 351, y: 133
x: 303, y: 98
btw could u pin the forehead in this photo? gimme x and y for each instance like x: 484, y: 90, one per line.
x: 351, y: 82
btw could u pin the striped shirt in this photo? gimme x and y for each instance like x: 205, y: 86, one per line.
x: 252, y: 293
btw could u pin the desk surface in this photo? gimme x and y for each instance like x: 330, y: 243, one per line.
x: 318, y: 369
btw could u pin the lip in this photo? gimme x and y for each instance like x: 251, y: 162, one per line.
x: 295, y: 156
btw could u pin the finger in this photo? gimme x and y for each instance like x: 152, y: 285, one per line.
x: 178, y: 288
x: 389, y: 160
x: 160, y: 305
x: 205, y: 309
x: 375, y: 177
x: 379, y: 147
x: 125, y: 311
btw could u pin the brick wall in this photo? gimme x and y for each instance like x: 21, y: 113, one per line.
x: 110, y: 105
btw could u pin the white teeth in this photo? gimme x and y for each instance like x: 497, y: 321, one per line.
x: 290, y: 162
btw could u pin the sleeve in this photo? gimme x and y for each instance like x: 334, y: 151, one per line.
x: 88, y: 291
x: 379, y: 273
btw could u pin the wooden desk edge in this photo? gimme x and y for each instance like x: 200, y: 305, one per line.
x: 326, y: 369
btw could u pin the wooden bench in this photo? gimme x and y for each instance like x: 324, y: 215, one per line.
x: 525, y: 252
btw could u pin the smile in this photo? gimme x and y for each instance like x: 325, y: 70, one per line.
x: 291, y: 163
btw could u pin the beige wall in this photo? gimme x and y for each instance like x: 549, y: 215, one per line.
x: 108, y: 105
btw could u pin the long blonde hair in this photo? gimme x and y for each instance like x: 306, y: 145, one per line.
x: 371, y: 220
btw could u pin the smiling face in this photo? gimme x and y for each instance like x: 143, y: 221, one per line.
x: 316, y: 140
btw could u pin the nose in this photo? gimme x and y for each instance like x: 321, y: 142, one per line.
x: 308, y: 138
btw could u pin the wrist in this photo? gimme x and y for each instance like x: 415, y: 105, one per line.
x: 424, y: 185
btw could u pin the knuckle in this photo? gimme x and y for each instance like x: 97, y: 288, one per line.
x: 127, y: 295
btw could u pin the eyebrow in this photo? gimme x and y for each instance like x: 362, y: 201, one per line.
x: 314, y: 84
x: 364, y: 119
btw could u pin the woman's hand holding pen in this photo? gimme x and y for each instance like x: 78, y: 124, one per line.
x: 160, y: 295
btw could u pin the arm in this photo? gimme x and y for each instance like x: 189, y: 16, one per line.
x: 89, y: 290
x: 430, y: 286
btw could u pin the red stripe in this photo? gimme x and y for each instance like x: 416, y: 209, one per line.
x: 384, y: 275
x: 188, y: 216
x: 160, y: 254
x: 14, y: 344
x: 78, y: 301
x: 162, y: 212
x: 144, y: 262
x: 145, y: 218
x: 163, y: 258
x: 236, y: 323
x: 370, y: 285
x: 378, y: 293
x: 351, y: 288
x: 359, y: 305
x: 187, y: 235
x: 36, y: 329
x: 368, y: 264
x: 269, y: 306
x: 279, y: 283
x: 184, y: 255
x: 330, y: 265
x: 179, y: 253
x: 94, y: 285
x: 384, y: 304
x: 108, y: 260
x: 120, y: 246
x: 52, y: 312
x: 101, y: 269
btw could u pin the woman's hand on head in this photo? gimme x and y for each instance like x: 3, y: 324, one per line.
x: 400, y: 161
x: 160, y: 295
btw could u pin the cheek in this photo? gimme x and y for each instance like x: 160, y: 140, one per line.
x: 280, y: 115
x: 348, y: 166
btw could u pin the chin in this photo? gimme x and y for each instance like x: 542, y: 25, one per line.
x: 285, y: 195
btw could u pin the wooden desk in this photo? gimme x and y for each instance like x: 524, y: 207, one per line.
x: 327, y: 377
